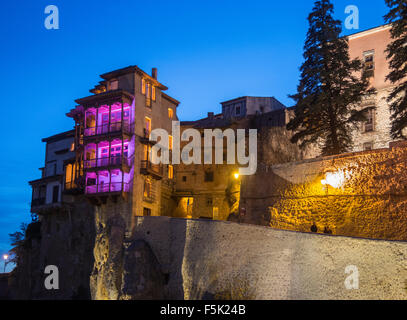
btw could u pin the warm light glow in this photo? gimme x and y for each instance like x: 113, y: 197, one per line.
x: 5, y: 256
x: 236, y: 175
x: 336, y: 179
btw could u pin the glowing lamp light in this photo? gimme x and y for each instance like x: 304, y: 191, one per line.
x: 335, y: 179
x: 236, y: 175
x: 5, y: 256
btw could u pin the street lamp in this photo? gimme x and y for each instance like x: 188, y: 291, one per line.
x: 5, y: 257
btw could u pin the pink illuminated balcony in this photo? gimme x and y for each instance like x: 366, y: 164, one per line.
x: 108, y: 181
x: 108, y: 187
x: 117, y: 160
x: 116, y: 127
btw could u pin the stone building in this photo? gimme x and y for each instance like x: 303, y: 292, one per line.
x: 209, y: 191
x: 112, y: 129
x: 47, y: 191
x: 112, y: 145
x: 249, y: 106
x: 369, y: 46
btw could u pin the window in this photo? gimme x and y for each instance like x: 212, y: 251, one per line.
x: 170, y: 172
x: 369, y: 63
x: 146, y: 152
x: 147, y: 126
x: 114, y: 85
x: 208, y: 176
x: 170, y: 113
x: 184, y: 178
x: 209, y: 201
x: 368, y: 146
x: 143, y: 86
x: 369, y: 124
x: 170, y: 142
x: 238, y: 110
x: 148, y: 92
x: 147, y: 188
x: 153, y: 93
x: 55, y: 194
x: 72, y: 146
x: 146, y: 212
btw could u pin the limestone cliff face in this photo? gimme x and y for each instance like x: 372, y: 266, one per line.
x: 124, y: 268
x: 65, y: 239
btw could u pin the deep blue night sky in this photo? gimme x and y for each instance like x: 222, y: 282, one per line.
x: 205, y: 51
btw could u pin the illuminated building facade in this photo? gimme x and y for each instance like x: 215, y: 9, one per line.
x: 112, y: 129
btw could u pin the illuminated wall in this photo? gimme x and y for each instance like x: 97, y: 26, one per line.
x: 362, y: 194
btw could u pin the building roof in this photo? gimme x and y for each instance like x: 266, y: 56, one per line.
x: 60, y: 136
x: 213, y: 121
x: 131, y: 69
x: 104, y: 95
x: 369, y: 31
x: 250, y: 97
x: 171, y: 99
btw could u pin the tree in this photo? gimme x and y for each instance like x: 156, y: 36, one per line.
x: 397, y: 56
x: 17, y: 240
x: 331, y: 84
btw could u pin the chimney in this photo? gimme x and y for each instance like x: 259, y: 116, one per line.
x: 154, y: 73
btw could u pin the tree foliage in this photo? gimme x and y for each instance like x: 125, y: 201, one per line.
x: 397, y: 56
x: 17, y: 240
x: 331, y: 84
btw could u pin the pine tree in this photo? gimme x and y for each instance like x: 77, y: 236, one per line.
x: 397, y: 56
x: 330, y: 86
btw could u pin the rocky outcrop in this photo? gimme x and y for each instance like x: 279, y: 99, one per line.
x: 142, y: 277
x: 65, y: 238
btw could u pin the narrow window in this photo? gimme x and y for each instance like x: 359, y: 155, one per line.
x: 170, y: 142
x: 369, y: 65
x: 369, y: 124
x: 237, y: 110
x: 170, y: 172
x: 148, y: 92
x: 170, y: 113
x: 184, y: 178
x: 143, y: 86
x: 55, y: 194
x: 147, y: 127
x: 153, y: 93
x: 147, y: 188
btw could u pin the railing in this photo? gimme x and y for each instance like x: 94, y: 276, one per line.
x: 106, y: 128
x: 107, y: 187
x: 146, y: 165
x: 109, y: 161
x: 37, y: 202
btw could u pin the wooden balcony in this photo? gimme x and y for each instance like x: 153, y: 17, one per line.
x: 112, y: 129
x: 124, y: 163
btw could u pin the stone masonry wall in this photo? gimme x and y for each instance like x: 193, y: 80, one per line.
x: 371, y: 201
x: 215, y: 259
